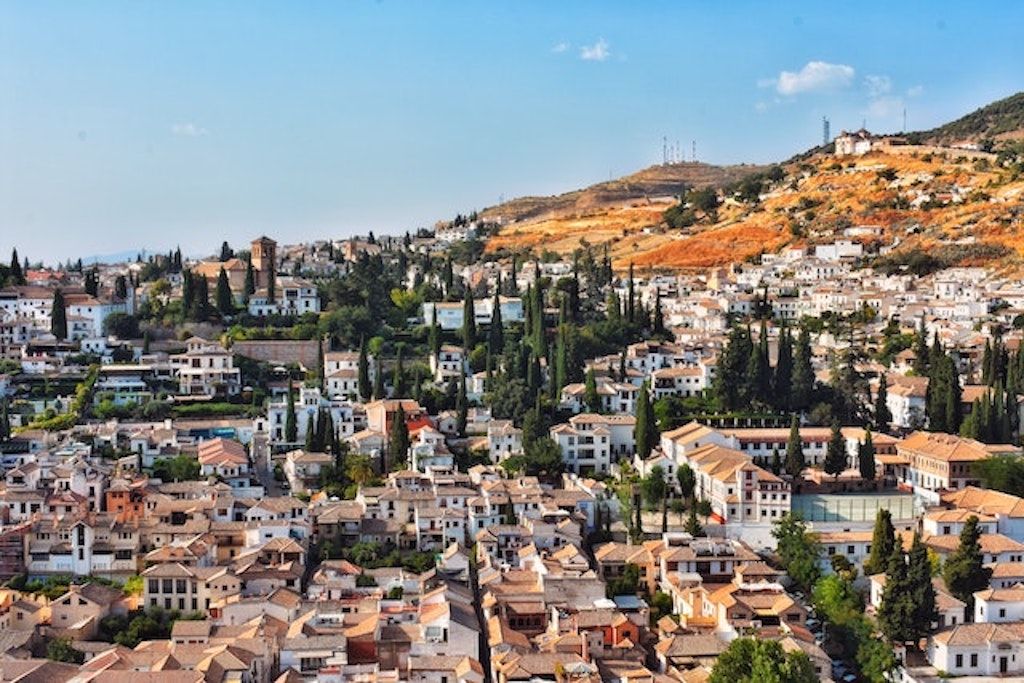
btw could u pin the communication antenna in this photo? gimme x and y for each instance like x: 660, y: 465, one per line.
x: 825, y: 132
x: 664, y: 150
x: 904, y: 119
x: 693, y: 151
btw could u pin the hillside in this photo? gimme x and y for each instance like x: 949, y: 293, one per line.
x: 964, y: 210
x: 1001, y: 120
x: 657, y: 181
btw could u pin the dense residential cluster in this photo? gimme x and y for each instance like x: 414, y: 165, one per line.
x: 408, y: 459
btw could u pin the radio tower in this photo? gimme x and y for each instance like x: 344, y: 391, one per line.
x: 664, y: 150
x: 693, y: 151
x: 826, y: 136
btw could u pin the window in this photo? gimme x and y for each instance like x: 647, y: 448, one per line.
x: 959, y: 661
x: 974, y: 659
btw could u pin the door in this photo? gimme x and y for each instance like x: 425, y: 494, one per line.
x: 1002, y: 665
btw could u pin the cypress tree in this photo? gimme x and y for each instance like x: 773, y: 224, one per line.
x: 896, y: 612
x: 496, y: 335
x: 883, y: 416
x: 398, y: 374
x: 964, y: 571
x: 59, y: 316
x: 378, y: 379
x: 795, y: 462
x: 659, y: 316
x: 398, y: 438
x: 645, y: 431
x: 5, y: 421
x: 311, y: 433
x: 121, y: 287
x: 363, y: 375
x: 866, y: 457
x: 320, y: 369
x: 468, y: 323
x: 921, y: 353
x: 782, y: 383
x: 883, y: 543
x: 225, y: 251
x: 225, y: 302
x: 291, y: 430
x: 435, y: 333
x: 921, y: 589
x: 776, y: 464
x: 591, y: 399
x: 631, y: 298
x: 16, y: 273
x: 835, y: 454
x: 250, y: 281
x: 803, y: 372
x: 461, y: 407
x: 271, y: 282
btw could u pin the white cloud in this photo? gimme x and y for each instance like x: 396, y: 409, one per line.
x: 560, y: 47
x: 915, y: 91
x: 814, y: 76
x: 188, y: 130
x: 877, y: 85
x: 598, y: 52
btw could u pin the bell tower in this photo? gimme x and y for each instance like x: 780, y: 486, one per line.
x: 264, y: 255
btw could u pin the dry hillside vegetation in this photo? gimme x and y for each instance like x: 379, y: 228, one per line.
x: 923, y: 201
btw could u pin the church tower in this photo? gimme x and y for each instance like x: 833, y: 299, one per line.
x: 264, y: 257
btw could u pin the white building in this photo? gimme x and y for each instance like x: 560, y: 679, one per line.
x: 206, y: 369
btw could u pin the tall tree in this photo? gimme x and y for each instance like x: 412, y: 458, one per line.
x: 659, y: 315
x: 646, y: 429
x: 783, y: 376
x: 591, y: 399
x: 226, y: 252
x: 803, y: 372
x: 461, y: 407
x: 795, y: 461
x: 121, y: 287
x: 17, y: 275
x: 434, y: 340
x: 363, y: 374
x: 225, y: 301
x: 398, y: 374
x: 250, y: 281
x: 921, y: 588
x: 835, y: 453
x: 631, y: 298
x: 378, y: 379
x: 271, y: 282
x: 5, y: 420
x: 398, y: 438
x: 883, y: 542
x: 866, y: 457
x: 291, y: 429
x: 468, y: 322
x: 59, y: 316
x: 496, y: 334
x: 964, y: 571
x: 896, y: 611
x: 882, y: 414
x: 921, y: 353
x: 747, y: 660
x: 687, y: 481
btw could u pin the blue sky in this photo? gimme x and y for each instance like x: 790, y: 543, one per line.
x: 150, y: 124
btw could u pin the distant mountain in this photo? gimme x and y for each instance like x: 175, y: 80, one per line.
x: 1001, y: 120
x: 117, y: 257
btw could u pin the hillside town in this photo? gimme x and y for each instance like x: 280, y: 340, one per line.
x: 413, y: 458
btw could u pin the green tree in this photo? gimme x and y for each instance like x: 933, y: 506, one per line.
x: 921, y: 588
x: 866, y: 457
x: 398, y: 438
x: 883, y: 543
x: 60, y: 650
x: 225, y: 301
x: 17, y: 276
x: 250, y: 281
x: 783, y: 376
x: 896, y: 611
x: 496, y: 334
x: 883, y: 416
x: 835, y: 453
x: 692, y: 525
x: 468, y: 323
x: 795, y: 462
x: 803, y: 372
x: 654, y: 487
x: 749, y: 660
x: 291, y: 429
x: 798, y: 549
x: 398, y: 374
x: 964, y: 571
x: 645, y: 431
x: 271, y: 283
x: 378, y: 379
x: 591, y: 399
x: 59, y: 316
x: 687, y: 481
x: 364, y: 386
